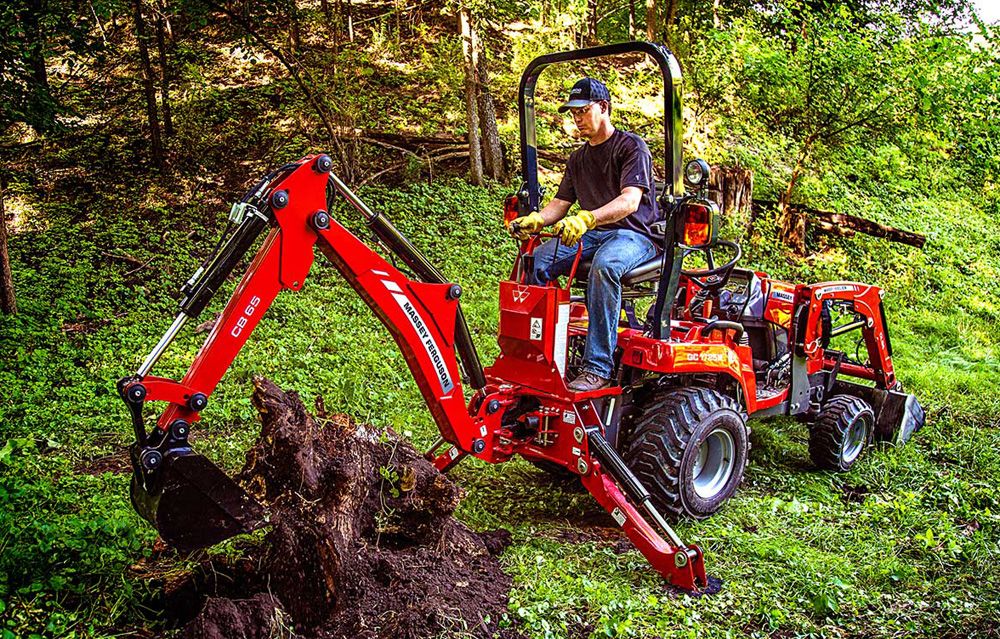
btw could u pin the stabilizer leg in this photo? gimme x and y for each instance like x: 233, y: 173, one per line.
x: 681, y: 565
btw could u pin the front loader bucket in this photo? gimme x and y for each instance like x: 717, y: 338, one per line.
x: 900, y: 416
x: 192, y: 503
x: 897, y: 415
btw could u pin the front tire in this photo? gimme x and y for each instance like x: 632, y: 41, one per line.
x: 689, y: 448
x: 842, y: 430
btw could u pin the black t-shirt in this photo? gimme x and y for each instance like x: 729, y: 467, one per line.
x: 596, y: 174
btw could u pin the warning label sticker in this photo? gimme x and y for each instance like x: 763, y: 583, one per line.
x: 618, y: 516
x: 536, y: 328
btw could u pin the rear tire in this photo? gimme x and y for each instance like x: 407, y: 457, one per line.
x: 841, y: 432
x: 689, y: 448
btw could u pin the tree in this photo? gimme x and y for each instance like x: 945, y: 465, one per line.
x: 491, y: 147
x: 651, y: 20
x: 827, y: 83
x: 591, y: 22
x: 24, y: 84
x: 155, y: 140
x: 162, y: 29
x: 8, y: 303
x: 470, y: 57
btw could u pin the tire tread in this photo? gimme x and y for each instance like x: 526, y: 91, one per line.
x: 662, y: 431
x: 827, y: 433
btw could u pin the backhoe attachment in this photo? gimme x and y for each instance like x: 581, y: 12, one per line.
x: 190, y: 501
x: 193, y: 504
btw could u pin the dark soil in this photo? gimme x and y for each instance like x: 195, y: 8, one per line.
x: 362, y: 541
x: 854, y: 494
x: 116, y: 463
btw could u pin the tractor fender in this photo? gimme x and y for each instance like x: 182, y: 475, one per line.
x: 680, y: 358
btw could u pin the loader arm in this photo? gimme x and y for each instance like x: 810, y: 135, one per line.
x: 866, y: 302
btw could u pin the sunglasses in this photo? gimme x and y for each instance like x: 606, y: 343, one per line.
x: 577, y: 111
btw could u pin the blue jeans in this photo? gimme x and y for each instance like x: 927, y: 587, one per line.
x: 614, y: 252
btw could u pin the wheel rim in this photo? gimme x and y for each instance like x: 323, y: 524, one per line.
x: 713, y: 463
x: 854, y: 442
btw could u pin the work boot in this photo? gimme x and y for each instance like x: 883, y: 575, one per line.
x: 587, y: 382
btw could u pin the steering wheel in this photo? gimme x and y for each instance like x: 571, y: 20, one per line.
x: 714, y: 277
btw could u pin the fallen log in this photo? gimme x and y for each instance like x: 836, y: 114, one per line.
x: 830, y: 219
x: 402, y: 139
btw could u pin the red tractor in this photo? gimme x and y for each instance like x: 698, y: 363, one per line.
x: 668, y: 438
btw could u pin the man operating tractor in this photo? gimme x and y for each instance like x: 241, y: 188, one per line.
x: 611, y: 177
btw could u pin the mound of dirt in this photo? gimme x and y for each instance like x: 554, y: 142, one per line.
x: 362, y: 541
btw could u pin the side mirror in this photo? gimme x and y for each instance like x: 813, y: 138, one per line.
x: 699, y: 216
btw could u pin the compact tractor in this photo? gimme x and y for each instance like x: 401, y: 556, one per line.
x: 667, y: 439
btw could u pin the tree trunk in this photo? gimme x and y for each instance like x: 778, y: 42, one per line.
x: 631, y: 19
x: 591, y: 22
x: 156, y: 145
x: 471, y: 104
x: 651, y: 20
x: 492, y: 149
x: 791, y: 221
x: 161, y: 47
x: 327, y: 16
x: 716, y: 21
x: 350, y: 21
x: 294, y: 28
x: 41, y: 95
x: 731, y: 187
x: 8, y: 303
x: 846, y: 224
x: 670, y: 16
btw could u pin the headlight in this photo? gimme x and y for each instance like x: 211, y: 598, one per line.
x: 696, y: 173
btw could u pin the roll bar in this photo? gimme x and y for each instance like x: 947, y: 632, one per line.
x: 529, y: 198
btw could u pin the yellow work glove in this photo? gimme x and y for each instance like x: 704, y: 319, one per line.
x: 523, y: 227
x: 570, y: 229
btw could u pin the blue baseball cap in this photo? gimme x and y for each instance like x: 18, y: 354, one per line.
x: 584, y: 92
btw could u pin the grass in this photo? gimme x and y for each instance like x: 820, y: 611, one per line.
x: 903, y: 545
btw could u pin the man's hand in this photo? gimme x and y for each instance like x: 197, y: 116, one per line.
x: 572, y: 228
x: 523, y: 227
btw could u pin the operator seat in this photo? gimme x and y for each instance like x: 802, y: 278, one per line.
x: 648, y: 271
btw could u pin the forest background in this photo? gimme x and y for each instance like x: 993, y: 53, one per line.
x: 127, y: 126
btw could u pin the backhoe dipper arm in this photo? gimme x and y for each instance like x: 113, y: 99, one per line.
x: 423, y: 317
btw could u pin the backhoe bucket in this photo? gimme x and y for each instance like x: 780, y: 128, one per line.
x: 192, y: 503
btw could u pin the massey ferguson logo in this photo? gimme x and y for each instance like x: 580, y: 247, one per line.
x: 837, y: 288
x: 521, y: 293
x: 426, y: 339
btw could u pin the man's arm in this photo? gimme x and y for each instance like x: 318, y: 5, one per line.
x: 555, y: 210
x: 624, y: 205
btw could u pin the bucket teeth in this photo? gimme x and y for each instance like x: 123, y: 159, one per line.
x: 192, y: 503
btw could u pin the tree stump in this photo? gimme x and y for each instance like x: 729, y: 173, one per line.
x: 363, y: 542
x: 731, y: 187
